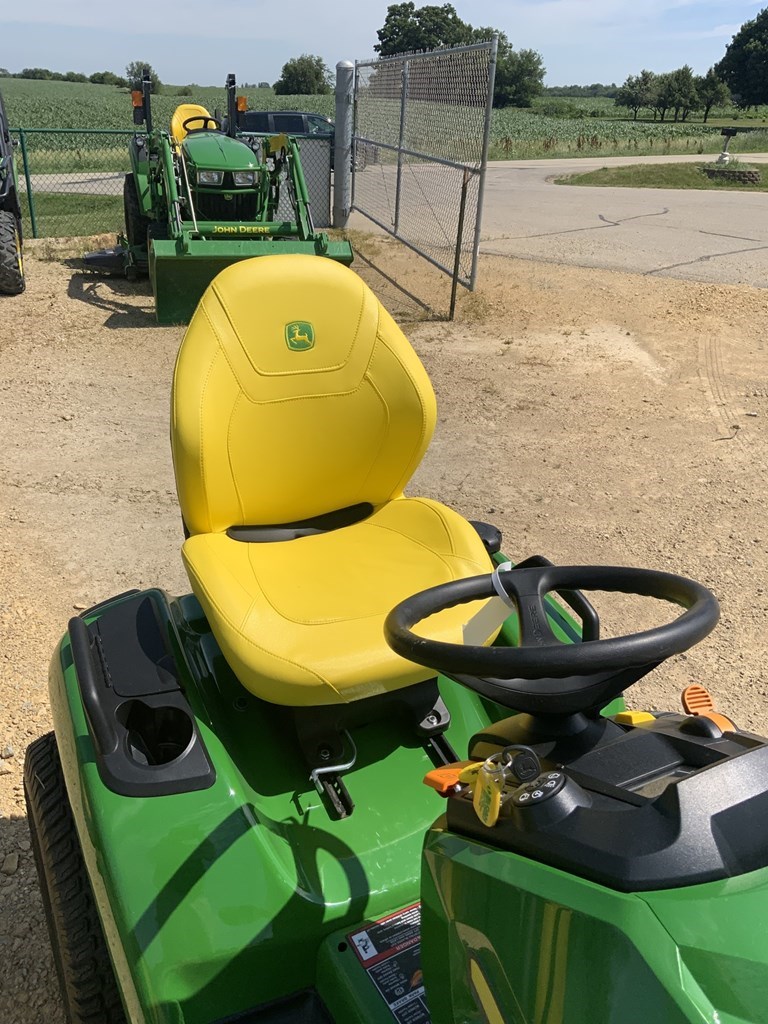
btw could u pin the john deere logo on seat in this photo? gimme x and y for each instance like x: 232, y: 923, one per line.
x: 299, y: 336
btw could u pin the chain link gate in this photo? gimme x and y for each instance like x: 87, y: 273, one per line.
x: 420, y: 147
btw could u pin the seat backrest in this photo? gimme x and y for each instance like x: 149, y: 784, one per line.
x: 295, y: 393
x: 180, y: 115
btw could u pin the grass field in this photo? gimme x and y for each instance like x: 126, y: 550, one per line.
x: 63, y: 215
x: 520, y: 135
x: 686, y: 175
x: 553, y: 128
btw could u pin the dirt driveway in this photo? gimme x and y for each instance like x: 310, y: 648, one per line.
x: 594, y: 416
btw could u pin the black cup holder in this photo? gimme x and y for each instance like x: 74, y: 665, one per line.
x: 145, y: 738
x: 155, y: 735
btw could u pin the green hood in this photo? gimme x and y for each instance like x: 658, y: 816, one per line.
x: 216, y: 152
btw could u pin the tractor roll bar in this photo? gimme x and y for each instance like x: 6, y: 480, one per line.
x: 231, y: 88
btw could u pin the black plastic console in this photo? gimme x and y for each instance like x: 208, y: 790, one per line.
x: 143, y: 729
x: 671, y: 802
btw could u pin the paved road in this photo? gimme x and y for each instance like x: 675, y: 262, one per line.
x: 702, y: 235
x: 83, y: 183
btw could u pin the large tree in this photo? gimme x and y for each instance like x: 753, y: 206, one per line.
x: 712, y: 91
x: 666, y: 91
x: 305, y: 75
x: 637, y: 92
x: 519, y: 77
x: 134, y: 72
x: 685, y: 98
x: 519, y: 73
x: 744, y: 68
x: 407, y: 28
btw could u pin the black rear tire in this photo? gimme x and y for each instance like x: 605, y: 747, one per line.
x: 11, y: 262
x: 86, y: 976
x: 136, y: 224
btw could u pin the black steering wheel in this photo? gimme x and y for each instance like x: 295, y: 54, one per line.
x: 544, y: 676
x: 205, y: 118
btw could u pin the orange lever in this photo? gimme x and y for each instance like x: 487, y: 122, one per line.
x: 724, y: 724
x: 445, y: 780
x: 696, y: 699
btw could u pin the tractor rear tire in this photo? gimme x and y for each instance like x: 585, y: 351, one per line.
x: 136, y: 224
x: 86, y: 977
x: 11, y: 262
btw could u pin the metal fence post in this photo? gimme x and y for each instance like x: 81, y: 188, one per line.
x: 484, y: 161
x: 30, y: 196
x: 459, y: 237
x: 342, y: 155
x: 401, y: 141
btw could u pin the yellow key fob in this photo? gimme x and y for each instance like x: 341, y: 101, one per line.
x: 469, y: 773
x: 486, y: 793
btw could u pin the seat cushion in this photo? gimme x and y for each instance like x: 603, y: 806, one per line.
x: 301, y: 621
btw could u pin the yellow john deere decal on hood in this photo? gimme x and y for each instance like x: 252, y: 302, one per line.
x: 299, y: 335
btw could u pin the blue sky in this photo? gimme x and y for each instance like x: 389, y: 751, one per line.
x: 581, y: 41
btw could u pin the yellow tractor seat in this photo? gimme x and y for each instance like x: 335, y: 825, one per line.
x: 296, y: 395
x: 181, y: 114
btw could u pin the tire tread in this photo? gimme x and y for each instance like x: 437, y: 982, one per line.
x: 86, y: 976
x: 11, y: 278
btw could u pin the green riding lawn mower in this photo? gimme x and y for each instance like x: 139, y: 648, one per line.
x: 230, y: 820
x: 200, y: 197
x: 11, y: 260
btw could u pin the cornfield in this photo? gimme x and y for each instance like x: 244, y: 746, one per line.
x: 515, y: 134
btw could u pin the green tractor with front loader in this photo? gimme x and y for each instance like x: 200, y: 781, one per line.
x: 201, y: 196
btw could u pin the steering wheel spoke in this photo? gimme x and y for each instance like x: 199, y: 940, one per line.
x: 522, y: 585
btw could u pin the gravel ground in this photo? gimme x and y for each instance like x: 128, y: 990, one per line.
x: 594, y: 416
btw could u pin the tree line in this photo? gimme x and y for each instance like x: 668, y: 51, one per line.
x: 131, y: 79
x: 582, y: 91
x: 44, y: 75
x: 678, y: 92
x: 739, y: 78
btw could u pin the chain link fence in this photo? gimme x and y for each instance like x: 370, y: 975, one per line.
x: 420, y: 143
x: 315, y: 157
x: 71, y: 181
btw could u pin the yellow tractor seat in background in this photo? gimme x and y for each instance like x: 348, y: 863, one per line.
x: 181, y: 114
x: 298, y: 400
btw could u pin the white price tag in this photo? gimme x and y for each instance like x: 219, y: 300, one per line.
x: 491, y: 616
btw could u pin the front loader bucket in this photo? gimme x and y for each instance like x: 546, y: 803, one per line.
x: 180, y: 276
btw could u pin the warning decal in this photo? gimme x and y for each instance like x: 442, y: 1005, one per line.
x: 390, y: 951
